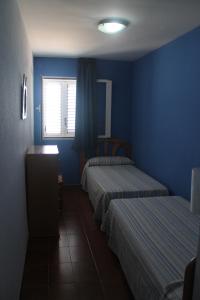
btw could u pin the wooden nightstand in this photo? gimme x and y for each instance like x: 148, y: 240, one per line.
x: 42, y: 190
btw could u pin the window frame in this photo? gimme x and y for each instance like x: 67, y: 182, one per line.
x: 108, y: 108
x: 53, y: 137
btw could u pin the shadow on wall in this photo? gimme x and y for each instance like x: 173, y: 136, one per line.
x: 165, y: 112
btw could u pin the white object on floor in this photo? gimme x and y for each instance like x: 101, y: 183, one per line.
x: 195, y: 191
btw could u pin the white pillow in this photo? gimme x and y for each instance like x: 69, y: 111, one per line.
x: 109, y: 161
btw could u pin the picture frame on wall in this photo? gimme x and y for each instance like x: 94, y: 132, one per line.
x: 24, y: 98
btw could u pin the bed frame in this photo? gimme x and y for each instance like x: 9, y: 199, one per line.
x: 108, y: 147
x: 189, y: 280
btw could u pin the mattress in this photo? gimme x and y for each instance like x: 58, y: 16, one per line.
x: 106, y: 182
x: 154, y: 239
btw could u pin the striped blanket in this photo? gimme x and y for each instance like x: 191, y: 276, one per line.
x: 104, y: 183
x: 154, y: 239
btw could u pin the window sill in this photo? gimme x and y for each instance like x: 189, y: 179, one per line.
x: 58, y: 138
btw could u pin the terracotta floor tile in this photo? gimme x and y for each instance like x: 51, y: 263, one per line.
x: 80, y: 253
x: 70, y: 228
x: 63, y: 241
x: 71, y: 220
x: 67, y: 267
x: 36, y: 275
x: 90, y: 291
x: 118, y: 292
x: 63, y: 292
x: 59, y: 255
x: 85, y: 272
x: 53, y: 243
x: 111, y: 274
x: 77, y: 239
x: 38, y: 245
x: 35, y: 293
x: 37, y: 259
x: 62, y: 273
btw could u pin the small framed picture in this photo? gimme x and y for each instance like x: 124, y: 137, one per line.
x: 24, y: 98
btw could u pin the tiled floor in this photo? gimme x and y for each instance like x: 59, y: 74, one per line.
x: 78, y: 265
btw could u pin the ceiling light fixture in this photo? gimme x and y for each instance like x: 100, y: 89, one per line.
x: 112, y: 25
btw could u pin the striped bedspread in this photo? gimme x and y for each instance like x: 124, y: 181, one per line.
x: 154, y: 239
x: 104, y: 183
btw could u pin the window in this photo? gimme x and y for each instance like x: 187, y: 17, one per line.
x: 58, y: 108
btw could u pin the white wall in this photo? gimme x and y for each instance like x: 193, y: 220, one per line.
x: 15, y: 136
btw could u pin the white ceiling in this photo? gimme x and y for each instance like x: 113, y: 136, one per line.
x: 69, y: 27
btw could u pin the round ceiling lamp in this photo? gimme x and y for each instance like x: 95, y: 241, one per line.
x: 112, y: 25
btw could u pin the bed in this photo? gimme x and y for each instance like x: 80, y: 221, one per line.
x: 154, y: 239
x: 107, y: 178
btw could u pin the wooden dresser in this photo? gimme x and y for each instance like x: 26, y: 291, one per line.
x: 42, y: 190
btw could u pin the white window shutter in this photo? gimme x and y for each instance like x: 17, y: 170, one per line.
x: 71, y: 107
x: 59, y: 107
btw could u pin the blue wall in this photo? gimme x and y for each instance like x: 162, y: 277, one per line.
x: 120, y: 74
x: 166, y: 112
x: 15, y: 137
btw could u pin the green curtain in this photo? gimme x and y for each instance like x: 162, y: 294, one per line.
x: 86, y: 125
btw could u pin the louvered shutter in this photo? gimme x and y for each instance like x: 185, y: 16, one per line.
x: 59, y: 106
